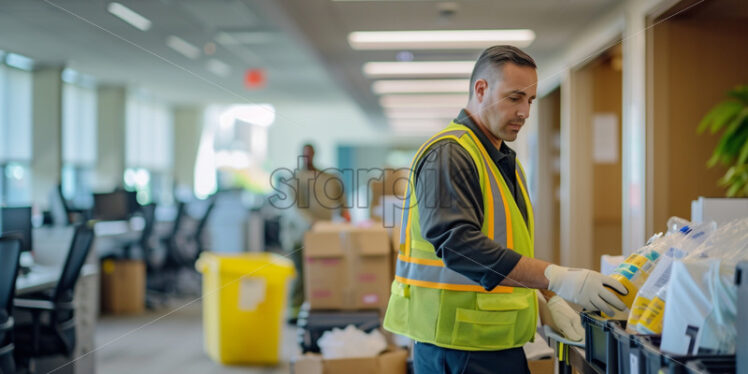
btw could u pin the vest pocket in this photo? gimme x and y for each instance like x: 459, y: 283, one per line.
x: 396, y: 318
x: 511, y: 301
x: 484, y: 329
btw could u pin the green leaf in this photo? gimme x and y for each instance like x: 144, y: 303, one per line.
x: 727, y: 149
x: 735, y: 189
x: 740, y: 92
x: 734, y: 144
x: 743, y: 157
x: 728, y: 111
x: 708, y: 118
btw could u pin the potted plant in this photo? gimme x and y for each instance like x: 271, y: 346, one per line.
x: 731, y: 117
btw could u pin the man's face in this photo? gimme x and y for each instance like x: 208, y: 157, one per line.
x: 505, y: 100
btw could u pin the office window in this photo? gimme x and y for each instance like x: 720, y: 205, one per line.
x: 79, y: 148
x: 15, y: 136
x: 149, y: 138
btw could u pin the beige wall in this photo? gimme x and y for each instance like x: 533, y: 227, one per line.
x: 595, y: 188
x: 692, y: 62
x: 547, y: 205
x: 607, y: 88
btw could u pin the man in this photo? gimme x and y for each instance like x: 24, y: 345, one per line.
x: 465, y: 273
x: 319, y: 196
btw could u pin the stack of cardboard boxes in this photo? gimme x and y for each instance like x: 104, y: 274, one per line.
x: 349, y: 268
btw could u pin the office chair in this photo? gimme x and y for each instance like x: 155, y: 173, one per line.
x: 52, y: 330
x: 196, y: 245
x: 144, y: 242
x: 10, y: 252
x: 162, y: 266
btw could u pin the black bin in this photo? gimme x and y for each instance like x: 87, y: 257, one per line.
x: 714, y: 365
x: 312, y: 324
x: 627, y: 348
x: 657, y: 361
x: 599, y: 347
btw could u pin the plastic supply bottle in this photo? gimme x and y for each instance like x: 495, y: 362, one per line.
x: 635, y: 270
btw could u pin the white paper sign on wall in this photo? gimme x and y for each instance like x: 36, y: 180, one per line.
x: 605, y: 138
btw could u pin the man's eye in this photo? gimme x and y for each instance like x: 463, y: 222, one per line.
x: 515, y: 99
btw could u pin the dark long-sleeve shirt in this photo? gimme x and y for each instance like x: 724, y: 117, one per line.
x: 450, y: 207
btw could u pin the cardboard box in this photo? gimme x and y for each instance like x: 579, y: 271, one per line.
x: 390, y: 362
x: 122, y: 286
x: 347, y: 267
x: 392, y: 182
x: 541, y: 366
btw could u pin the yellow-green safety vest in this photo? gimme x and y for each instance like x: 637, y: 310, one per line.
x: 433, y: 304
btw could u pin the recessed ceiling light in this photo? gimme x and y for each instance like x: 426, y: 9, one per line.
x: 418, y: 69
x: 246, y: 37
x: 218, y: 67
x: 418, y: 127
x: 19, y: 62
x: 423, y: 101
x: 180, y: 45
x: 439, y: 39
x: 130, y: 16
x: 444, y: 113
x: 420, y: 85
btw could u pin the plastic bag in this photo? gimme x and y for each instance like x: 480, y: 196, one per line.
x: 646, y: 311
x: 701, y: 301
x: 635, y: 269
x: 350, y: 343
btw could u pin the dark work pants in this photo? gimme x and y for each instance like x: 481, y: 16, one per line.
x: 430, y: 359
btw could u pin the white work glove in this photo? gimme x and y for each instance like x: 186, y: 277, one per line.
x: 566, y: 319
x: 586, y: 288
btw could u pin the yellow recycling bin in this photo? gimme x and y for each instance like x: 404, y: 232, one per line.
x: 244, y: 297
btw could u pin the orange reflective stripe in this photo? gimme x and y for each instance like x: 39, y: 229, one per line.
x: 421, y: 261
x: 453, y: 287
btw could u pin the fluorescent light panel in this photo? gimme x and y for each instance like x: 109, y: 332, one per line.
x: 422, y: 101
x: 389, y: 69
x: 19, y: 62
x: 423, y: 113
x: 439, y: 39
x: 421, y: 127
x: 218, y: 67
x: 182, y: 46
x: 130, y: 16
x: 246, y: 37
x: 420, y: 85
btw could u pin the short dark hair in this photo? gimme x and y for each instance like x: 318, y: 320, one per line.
x: 497, y: 56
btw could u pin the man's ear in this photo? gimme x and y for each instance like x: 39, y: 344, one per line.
x: 480, y: 89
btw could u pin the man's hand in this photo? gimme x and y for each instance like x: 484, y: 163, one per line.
x: 566, y: 319
x: 586, y: 288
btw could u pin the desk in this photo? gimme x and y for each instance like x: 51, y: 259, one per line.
x: 45, y: 277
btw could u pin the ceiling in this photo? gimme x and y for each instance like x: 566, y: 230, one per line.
x: 326, y: 25
x: 82, y: 35
x: 301, y: 44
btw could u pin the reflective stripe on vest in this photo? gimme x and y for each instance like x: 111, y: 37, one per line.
x: 441, y: 277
